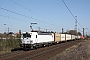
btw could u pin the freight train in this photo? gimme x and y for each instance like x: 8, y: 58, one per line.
x: 30, y: 40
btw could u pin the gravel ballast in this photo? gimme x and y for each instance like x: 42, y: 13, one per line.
x: 80, y: 51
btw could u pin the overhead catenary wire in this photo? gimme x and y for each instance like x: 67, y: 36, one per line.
x: 43, y: 16
x: 21, y: 14
x: 25, y: 16
x: 21, y: 20
x: 32, y: 11
x: 71, y: 12
x: 14, y: 18
x: 27, y: 9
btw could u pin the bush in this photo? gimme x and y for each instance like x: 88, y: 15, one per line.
x: 9, y: 43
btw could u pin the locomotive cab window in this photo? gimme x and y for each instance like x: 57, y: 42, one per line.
x: 26, y: 35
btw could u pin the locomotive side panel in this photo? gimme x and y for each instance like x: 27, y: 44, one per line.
x: 45, y: 38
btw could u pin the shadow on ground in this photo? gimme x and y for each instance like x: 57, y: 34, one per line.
x: 16, y: 49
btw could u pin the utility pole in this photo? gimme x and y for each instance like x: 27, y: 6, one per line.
x: 86, y: 34
x: 47, y: 29
x: 5, y: 28
x: 39, y: 29
x: 76, y: 24
x: 62, y: 30
x: 84, y: 31
x: 8, y: 30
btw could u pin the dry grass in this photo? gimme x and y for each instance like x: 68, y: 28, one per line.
x: 7, y: 44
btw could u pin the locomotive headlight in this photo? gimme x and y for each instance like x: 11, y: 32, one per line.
x: 31, y: 41
x: 27, y: 41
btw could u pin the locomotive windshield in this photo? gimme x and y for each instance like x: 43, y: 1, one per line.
x: 26, y: 35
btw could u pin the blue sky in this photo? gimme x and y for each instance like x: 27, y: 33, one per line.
x: 48, y: 14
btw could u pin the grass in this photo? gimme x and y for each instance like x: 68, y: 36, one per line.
x: 7, y: 44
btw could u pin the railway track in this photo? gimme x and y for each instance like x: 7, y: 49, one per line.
x: 39, y: 54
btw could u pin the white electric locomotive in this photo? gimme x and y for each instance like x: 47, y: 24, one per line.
x: 36, y: 39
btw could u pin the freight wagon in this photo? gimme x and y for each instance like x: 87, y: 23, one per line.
x: 63, y: 37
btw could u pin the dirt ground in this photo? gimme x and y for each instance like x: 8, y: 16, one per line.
x: 80, y: 51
